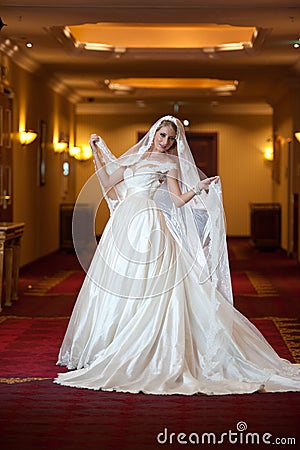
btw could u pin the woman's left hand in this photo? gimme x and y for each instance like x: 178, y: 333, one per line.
x: 204, y: 184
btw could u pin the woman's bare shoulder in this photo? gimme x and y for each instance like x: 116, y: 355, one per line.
x: 172, y: 159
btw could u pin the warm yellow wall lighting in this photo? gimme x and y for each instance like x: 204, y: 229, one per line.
x: 268, y: 154
x: 81, y: 153
x: 27, y: 137
x: 297, y: 135
x: 268, y: 151
x: 84, y: 153
x: 74, y: 151
x: 60, y: 147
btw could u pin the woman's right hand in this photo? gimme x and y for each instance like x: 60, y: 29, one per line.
x: 94, y: 138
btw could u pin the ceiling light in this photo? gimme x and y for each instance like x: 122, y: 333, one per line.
x: 67, y: 32
x: 233, y: 46
x: 29, y: 44
x: 9, y: 47
x: 120, y: 50
x: 171, y: 36
x: 225, y: 88
x: 97, y: 47
x: 128, y: 84
x: 209, y: 50
x: 119, y: 88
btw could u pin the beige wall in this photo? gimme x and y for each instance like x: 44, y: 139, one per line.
x: 246, y: 177
x: 38, y: 206
x: 286, y: 122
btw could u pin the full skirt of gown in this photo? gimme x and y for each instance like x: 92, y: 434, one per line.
x: 143, y: 322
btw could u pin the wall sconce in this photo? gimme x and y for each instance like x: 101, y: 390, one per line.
x: 83, y: 153
x: 268, y: 151
x: 60, y: 147
x: 27, y: 137
x: 297, y: 135
x: 61, y: 143
x: 74, y: 151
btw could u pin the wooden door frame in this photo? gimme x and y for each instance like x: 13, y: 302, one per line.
x: 213, y: 137
x: 201, y: 135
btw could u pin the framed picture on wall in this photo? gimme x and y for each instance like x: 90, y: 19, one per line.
x: 276, y: 159
x: 42, y: 153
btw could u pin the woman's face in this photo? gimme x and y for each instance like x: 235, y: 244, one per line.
x: 164, y: 139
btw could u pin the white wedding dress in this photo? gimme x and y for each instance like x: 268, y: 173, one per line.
x: 144, y: 323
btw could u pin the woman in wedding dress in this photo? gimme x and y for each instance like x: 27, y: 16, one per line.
x: 155, y: 312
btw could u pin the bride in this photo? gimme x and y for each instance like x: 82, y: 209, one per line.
x: 155, y: 312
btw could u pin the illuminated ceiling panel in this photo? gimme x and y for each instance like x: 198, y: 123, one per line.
x: 173, y: 83
x: 177, y: 36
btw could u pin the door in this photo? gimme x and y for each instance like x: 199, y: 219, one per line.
x: 5, y: 157
x: 204, y: 149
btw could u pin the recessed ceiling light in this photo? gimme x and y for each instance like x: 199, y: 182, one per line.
x: 29, y: 44
x: 97, y: 47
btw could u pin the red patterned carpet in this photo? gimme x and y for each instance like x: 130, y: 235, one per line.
x: 35, y: 413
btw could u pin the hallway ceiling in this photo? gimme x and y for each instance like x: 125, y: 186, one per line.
x: 189, y: 54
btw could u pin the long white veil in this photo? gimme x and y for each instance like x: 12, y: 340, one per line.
x: 199, y: 225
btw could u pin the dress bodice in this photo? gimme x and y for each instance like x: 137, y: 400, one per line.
x: 146, y: 177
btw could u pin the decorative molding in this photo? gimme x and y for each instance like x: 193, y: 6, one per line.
x: 60, y: 88
x: 133, y: 108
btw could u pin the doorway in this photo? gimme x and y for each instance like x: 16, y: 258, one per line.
x: 204, y: 147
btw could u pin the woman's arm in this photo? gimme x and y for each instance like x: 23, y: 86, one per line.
x: 107, y: 180
x: 180, y: 198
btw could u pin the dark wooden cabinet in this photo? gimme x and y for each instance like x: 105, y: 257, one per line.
x: 66, y: 216
x: 266, y: 225
x: 79, y: 227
